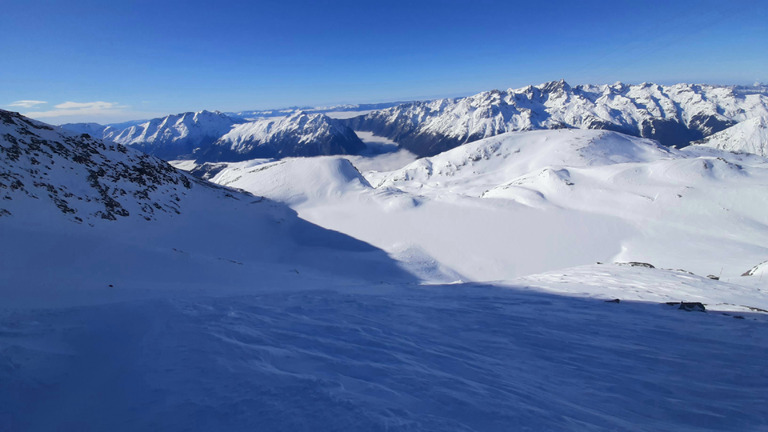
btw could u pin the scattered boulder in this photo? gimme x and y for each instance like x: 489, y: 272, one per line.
x: 613, y: 301
x: 688, y: 306
x: 636, y: 264
x: 713, y: 277
x: 692, y: 307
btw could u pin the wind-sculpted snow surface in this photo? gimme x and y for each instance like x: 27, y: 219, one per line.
x: 441, y: 358
x: 673, y: 115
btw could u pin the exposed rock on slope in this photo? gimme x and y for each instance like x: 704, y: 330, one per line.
x: 83, y: 177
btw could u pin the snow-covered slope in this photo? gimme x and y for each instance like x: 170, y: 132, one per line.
x: 471, y: 168
x: 299, y: 134
x: 82, y: 214
x: 749, y: 136
x: 220, y: 310
x: 323, y: 178
x: 527, y: 202
x: 674, y: 115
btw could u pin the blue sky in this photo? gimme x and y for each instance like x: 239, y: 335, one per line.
x: 109, y: 61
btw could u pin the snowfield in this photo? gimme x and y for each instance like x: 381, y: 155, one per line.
x: 527, y: 202
x: 460, y: 292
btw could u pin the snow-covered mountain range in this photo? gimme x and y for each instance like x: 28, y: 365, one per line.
x: 299, y: 134
x: 174, y: 136
x: 674, y: 115
x: 212, y: 136
x: 330, y: 110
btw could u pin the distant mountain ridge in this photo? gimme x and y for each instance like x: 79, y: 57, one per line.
x: 174, y: 136
x: 255, y: 114
x: 674, y: 115
x: 208, y: 136
x: 299, y: 134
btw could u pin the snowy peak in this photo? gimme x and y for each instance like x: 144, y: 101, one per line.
x: 749, y: 136
x: 42, y: 167
x: 300, y: 134
x: 673, y: 115
x: 174, y: 136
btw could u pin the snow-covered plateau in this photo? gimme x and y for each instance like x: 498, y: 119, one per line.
x: 568, y: 279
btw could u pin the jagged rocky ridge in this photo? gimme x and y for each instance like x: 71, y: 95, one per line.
x: 674, y: 115
x: 83, y: 177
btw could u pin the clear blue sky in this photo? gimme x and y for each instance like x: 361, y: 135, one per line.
x: 142, y: 59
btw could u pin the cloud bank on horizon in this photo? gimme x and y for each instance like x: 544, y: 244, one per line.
x: 75, y: 112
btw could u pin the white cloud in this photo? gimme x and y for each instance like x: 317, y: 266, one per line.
x: 26, y: 103
x: 80, y: 109
x: 97, y: 111
x: 87, y: 105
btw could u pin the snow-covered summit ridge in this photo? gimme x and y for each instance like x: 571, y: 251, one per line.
x: 673, y: 115
x: 749, y: 136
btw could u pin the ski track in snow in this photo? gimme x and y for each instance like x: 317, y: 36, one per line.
x: 442, y: 358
